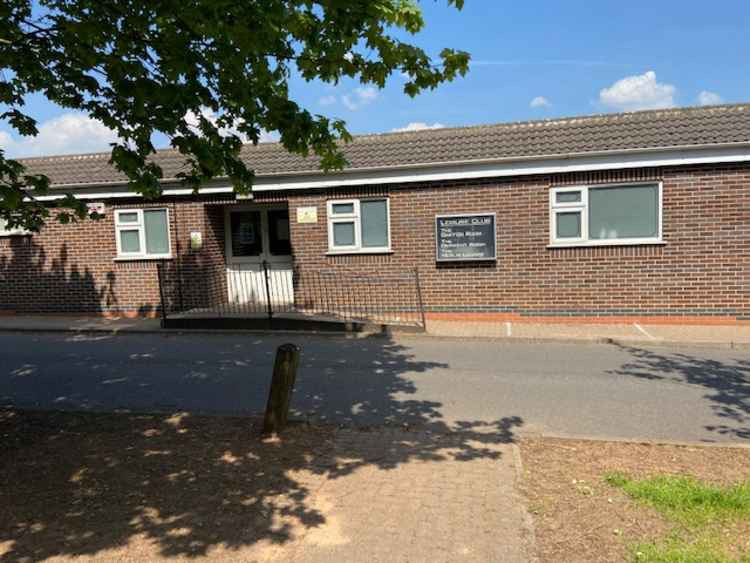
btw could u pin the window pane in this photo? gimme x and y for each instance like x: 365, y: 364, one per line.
x: 278, y: 232
x: 127, y: 217
x: 343, y: 234
x: 627, y: 212
x: 568, y: 225
x: 567, y: 197
x: 157, y: 231
x: 245, y: 233
x: 374, y: 223
x: 130, y: 242
x: 340, y: 208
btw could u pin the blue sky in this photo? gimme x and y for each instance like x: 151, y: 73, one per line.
x: 531, y: 60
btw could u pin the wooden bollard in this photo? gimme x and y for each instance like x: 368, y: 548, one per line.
x: 282, y: 383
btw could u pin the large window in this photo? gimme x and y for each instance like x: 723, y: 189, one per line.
x: 359, y: 225
x: 142, y: 233
x: 601, y: 215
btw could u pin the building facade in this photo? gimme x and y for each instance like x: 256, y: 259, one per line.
x: 655, y: 228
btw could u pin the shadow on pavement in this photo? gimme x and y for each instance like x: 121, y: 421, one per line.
x: 727, y: 383
x: 180, y: 485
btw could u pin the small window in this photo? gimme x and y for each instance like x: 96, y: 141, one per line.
x: 605, y: 215
x: 142, y: 233
x: 568, y: 225
x: 360, y: 226
x: 568, y: 197
x: 342, y: 208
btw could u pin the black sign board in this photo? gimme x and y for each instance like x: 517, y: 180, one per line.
x: 465, y: 237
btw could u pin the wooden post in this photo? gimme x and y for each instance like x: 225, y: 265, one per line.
x: 282, y: 383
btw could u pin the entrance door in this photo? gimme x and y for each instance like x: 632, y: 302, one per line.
x: 254, y: 235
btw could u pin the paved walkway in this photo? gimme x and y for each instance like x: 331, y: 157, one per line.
x: 725, y: 335
x: 630, y: 333
x: 182, y: 488
x: 417, y: 496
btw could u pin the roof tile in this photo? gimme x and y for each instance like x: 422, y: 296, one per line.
x: 575, y: 135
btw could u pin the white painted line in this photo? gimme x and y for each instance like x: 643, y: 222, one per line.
x: 643, y: 330
x: 508, y: 331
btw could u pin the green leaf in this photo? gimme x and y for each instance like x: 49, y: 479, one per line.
x: 143, y: 67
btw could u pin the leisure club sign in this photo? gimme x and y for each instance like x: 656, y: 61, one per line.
x: 464, y: 238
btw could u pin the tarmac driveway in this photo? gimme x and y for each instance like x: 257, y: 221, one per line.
x: 597, y: 390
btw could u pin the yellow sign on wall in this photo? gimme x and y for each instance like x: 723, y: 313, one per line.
x: 307, y: 215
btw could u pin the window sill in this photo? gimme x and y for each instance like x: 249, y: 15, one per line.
x: 590, y: 244
x: 357, y: 252
x: 141, y: 258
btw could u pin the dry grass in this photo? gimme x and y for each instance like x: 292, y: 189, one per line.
x: 580, y: 517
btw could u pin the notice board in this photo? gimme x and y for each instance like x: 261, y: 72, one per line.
x: 465, y: 238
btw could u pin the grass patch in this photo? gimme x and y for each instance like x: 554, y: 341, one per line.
x: 679, y: 551
x: 691, y: 502
x: 701, y: 509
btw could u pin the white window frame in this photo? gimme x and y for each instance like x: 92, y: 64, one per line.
x: 140, y: 226
x: 356, y: 218
x: 583, y: 207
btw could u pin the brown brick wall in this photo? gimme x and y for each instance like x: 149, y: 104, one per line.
x: 703, y: 269
x: 72, y: 268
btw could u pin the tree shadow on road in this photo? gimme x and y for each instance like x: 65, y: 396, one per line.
x: 727, y: 382
x: 184, y: 486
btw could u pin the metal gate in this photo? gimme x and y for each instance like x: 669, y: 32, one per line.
x: 392, y: 297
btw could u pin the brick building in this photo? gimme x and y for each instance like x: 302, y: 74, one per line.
x: 642, y: 215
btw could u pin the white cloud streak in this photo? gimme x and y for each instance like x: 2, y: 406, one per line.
x: 76, y: 133
x: 544, y: 62
x: 359, y: 98
x: 417, y: 126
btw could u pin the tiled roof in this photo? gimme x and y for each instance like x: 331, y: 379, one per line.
x: 576, y: 135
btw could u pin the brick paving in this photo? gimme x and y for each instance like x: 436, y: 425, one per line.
x: 119, y: 487
x: 418, y: 496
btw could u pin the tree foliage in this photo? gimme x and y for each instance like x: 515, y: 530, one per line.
x: 142, y: 66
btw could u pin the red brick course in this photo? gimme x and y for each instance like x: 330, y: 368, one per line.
x: 702, y: 271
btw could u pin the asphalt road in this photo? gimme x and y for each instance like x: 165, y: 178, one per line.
x: 596, y: 390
